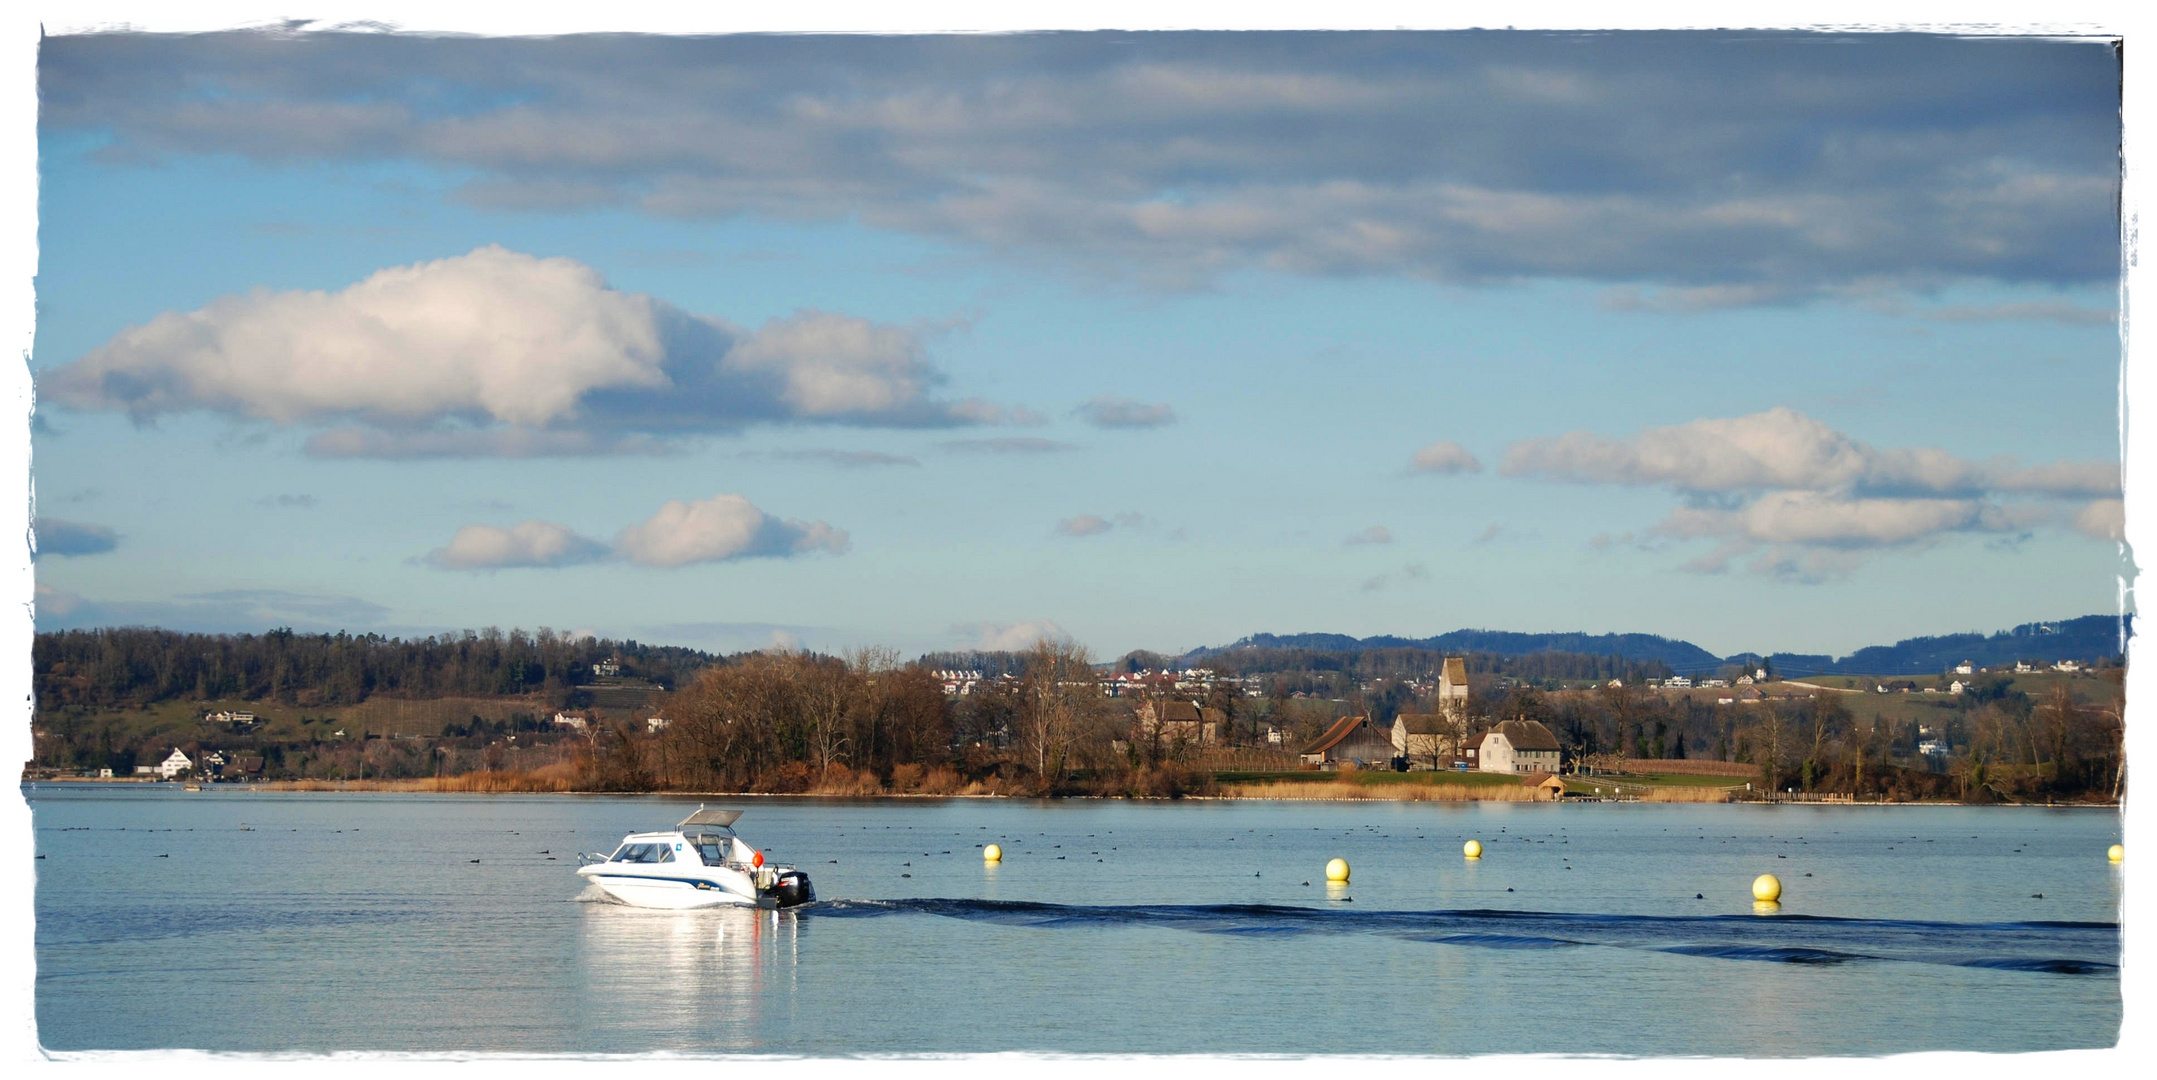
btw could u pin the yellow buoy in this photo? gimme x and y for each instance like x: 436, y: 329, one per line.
x: 1337, y: 870
x: 992, y: 853
x: 1473, y: 849
x: 1767, y: 888
x: 2116, y: 853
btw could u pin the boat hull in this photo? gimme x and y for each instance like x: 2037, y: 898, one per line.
x: 672, y: 893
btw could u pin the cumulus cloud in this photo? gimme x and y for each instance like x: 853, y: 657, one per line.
x: 500, y: 353
x: 2105, y: 519
x: 721, y: 528
x: 1111, y: 411
x: 1806, y: 502
x: 1013, y: 637
x: 533, y: 543
x: 53, y: 536
x: 681, y: 533
x: 1376, y: 534
x: 1445, y: 458
x: 1083, y: 525
x: 1783, y: 448
x: 1731, y: 170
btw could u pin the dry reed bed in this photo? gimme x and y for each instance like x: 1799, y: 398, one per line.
x: 1337, y: 790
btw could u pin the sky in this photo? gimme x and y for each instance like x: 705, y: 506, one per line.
x: 1793, y: 342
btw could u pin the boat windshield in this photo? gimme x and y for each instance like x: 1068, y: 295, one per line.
x: 713, y: 846
x: 643, y: 853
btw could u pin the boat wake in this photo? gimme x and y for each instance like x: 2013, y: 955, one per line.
x: 2061, y: 948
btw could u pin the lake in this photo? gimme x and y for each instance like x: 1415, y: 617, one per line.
x: 239, y: 920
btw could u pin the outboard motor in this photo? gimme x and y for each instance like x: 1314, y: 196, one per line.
x: 794, y: 888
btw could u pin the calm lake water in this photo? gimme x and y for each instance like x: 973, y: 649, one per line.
x: 263, y: 921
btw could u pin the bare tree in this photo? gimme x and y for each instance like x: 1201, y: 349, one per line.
x: 1061, y: 701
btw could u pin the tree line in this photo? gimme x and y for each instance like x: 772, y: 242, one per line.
x: 141, y: 666
x: 2003, y: 744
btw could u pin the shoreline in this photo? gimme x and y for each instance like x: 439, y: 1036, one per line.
x: 1231, y: 793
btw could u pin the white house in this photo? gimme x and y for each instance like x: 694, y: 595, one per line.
x: 607, y: 668
x: 1518, y: 746
x: 174, y: 765
x: 1680, y: 682
x: 1965, y: 668
x: 653, y: 724
x: 1958, y: 687
x: 568, y: 721
x: 2067, y: 665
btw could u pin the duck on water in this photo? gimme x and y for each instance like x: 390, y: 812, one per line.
x: 698, y: 863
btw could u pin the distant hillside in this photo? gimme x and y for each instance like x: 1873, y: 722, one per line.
x: 1680, y: 655
x: 2088, y: 639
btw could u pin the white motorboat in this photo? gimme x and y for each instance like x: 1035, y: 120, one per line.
x: 698, y: 863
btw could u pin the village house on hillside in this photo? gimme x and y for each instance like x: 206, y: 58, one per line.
x: 1519, y: 746
x: 1172, y: 720
x: 174, y: 765
x: 1351, y: 739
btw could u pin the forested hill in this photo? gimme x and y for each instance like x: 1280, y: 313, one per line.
x: 1680, y: 655
x: 140, y: 666
x: 2089, y: 639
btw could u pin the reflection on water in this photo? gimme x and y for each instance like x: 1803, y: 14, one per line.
x: 687, y: 980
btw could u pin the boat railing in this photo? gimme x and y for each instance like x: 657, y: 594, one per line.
x: 591, y: 858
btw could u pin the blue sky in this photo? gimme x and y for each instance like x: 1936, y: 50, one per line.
x: 1766, y: 342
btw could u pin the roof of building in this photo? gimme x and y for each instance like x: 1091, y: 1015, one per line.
x: 1543, y: 779
x: 1423, y: 723
x: 1526, y: 735
x: 1340, y: 730
x: 1169, y: 712
x: 1456, y: 670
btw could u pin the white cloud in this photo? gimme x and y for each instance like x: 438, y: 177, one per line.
x: 1111, y: 411
x: 1376, y: 534
x: 720, y: 528
x: 494, y: 334
x: 1083, y: 525
x: 1806, y: 501
x: 506, y: 354
x: 532, y: 543
x: 1014, y: 637
x: 1444, y: 457
x: 1783, y: 448
x: 2105, y: 519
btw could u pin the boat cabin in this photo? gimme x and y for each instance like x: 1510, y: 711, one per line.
x: 706, y: 837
